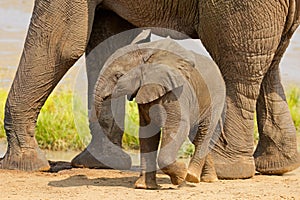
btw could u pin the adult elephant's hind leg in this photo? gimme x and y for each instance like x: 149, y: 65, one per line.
x: 276, y: 152
x: 244, y: 53
x: 57, y: 37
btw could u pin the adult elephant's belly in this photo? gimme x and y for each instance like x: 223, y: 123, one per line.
x: 182, y: 17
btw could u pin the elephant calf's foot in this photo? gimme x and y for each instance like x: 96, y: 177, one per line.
x: 195, y: 175
x: 29, y: 159
x: 276, y: 164
x: 86, y: 159
x: 177, y: 172
x: 203, y: 170
x: 192, y: 177
x: 147, y: 181
x: 194, y: 172
x: 209, y: 174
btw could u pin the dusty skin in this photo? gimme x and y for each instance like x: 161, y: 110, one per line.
x: 114, y: 184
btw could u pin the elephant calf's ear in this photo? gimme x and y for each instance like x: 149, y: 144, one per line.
x: 150, y: 92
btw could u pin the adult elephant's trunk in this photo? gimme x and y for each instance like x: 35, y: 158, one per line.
x: 56, y: 38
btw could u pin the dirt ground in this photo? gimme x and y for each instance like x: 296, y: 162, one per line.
x: 114, y: 184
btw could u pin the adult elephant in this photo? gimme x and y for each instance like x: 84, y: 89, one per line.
x: 245, y: 38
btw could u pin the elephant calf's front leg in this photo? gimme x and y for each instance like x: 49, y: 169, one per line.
x: 147, y: 179
x: 149, y: 140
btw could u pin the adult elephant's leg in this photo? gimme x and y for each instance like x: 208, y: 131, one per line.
x: 106, y: 24
x: 56, y: 38
x: 243, y: 43
x: 276, y: 152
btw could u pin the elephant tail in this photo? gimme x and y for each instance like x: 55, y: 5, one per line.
x: 291, y: 24
x: 297, y: 12
x: 292, y: 20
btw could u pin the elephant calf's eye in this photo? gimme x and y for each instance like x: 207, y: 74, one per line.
x: 119, y: 75
x: 106, y: 97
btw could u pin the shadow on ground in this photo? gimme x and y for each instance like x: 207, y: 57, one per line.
x: 84, y: 180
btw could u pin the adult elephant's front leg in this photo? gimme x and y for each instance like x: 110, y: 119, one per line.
x: 110, y: 32
x: 57, y: 37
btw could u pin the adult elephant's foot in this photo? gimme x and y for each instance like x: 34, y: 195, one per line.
x: 271, y: 159
x: 233, y: 160
x: 232, y: 153
x: 240, y: 167
x: 232, y: 156
x: 276, y: 165
x: 86, y: 160
x: 276, y: 152
x: 102, y: 160
x: 147, y: 180
x: 177, y: 172
x: 102, y: 156
x: 26, y: 159
x: 102, y: 153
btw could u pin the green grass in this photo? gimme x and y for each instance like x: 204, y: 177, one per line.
x: 3, y: 96
x: 293, y: 100
x: 56, y: 129
x: 130, y: 138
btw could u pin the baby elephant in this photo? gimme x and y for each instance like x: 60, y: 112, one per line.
x: 179, y: 94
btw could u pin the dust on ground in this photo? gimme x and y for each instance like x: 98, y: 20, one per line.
x: 114, y: 184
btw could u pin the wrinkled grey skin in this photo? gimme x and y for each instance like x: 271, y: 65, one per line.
x: 246, y: 39
x: 168, y: 85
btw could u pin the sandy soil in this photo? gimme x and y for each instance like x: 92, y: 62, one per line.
x: 113, y: 184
